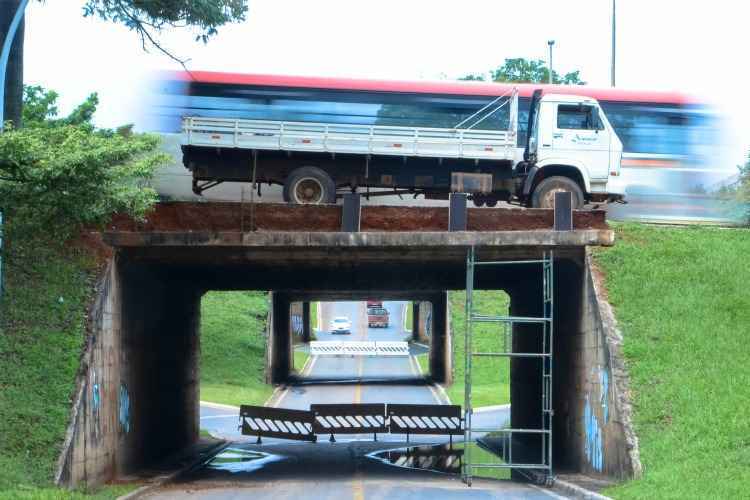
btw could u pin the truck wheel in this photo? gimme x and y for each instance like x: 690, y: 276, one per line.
x: 309, y: 186
x: 544, y: 194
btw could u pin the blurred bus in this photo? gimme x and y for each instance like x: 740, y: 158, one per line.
x: 672, y: 143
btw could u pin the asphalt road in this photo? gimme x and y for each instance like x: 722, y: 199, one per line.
x: 345, y: 469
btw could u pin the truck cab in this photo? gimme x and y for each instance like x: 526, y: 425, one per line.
x: 571, y: 147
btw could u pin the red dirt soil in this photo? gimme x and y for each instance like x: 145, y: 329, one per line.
x: 214, y: 217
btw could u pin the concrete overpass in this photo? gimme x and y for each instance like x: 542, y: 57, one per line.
x: 144, y: 349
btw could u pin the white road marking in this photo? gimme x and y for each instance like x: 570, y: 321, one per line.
x: 418, y: 372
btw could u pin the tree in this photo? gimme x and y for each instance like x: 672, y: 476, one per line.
x: 58, y: 174
x: 146, y: 17
x: 738, y: 194
x: 521, y: 70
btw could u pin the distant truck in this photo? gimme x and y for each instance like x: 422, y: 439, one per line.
x: 377, y: 317
x: 374, y: 303
x: 319, y: 139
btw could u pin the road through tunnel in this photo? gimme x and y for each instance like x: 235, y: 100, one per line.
x: 147, y: 337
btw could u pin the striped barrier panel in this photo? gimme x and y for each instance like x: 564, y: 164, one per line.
x: 364, y: 418
x: 277, y: 422
x: 425, y: 419
x: 354, y: 348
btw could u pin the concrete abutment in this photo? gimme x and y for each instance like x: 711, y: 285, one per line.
x: 138, y: 395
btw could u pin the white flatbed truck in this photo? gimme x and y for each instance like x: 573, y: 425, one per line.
x: 571, y: 147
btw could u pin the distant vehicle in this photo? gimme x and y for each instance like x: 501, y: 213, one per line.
x: 374, y: 303
x: 341, y: 325
x: 377, y: 317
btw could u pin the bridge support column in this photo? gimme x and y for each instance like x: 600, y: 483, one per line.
x: 417, y: 333
x: 441, y: 355
x: 306, y: 328
x: 279, y: 346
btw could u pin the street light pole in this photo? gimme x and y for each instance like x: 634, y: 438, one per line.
x: 614, y: 39
x: 550, y: 43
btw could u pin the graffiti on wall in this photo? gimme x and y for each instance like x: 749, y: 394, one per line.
x: 95, y: 405
x: 296, y: 324
x: 594, y: 448
x: 124, y: 414
x: 595, y: 415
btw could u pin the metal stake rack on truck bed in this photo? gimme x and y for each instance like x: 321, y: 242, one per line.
x: 362, y: 139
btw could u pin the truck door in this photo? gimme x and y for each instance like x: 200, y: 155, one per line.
x: 580, y: 134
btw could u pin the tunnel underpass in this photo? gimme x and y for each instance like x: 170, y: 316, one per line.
x: 145, y: 347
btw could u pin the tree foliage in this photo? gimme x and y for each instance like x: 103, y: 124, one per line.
x: 59, y: 174
x: 739, y: 193
x: 149, y: 17
x: 521, y: 70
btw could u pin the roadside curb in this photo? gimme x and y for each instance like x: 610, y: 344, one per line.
x: 205, y: 456
x: 576, y: 491
x: 219, y: 406
x: 482, y: 409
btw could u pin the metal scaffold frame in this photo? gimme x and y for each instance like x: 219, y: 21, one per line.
x: 544, y: 466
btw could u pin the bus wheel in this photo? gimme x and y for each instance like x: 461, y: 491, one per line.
x: 544, y: 194
x: 309, y: 186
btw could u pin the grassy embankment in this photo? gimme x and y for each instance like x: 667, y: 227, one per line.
x: 682, y: 299
x: 490, y: 381
x: 233, y: 347
x: 41, y: 336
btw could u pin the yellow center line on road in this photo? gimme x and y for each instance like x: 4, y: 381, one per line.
x: 358, y: 388
x: 358, y: 487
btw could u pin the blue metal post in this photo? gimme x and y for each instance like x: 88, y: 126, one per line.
x: 4, y: 55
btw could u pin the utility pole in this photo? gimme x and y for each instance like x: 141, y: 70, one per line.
x: 614, y: 39
x: 550, y: 43
x: 4, y: 54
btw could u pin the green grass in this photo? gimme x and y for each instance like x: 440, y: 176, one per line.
x: 41, y: 337
x: 233, y: 348
x: 313, y: 317
x: 408, y: 316
x: 491, y: 376
x: 300, y: 358
x: 682, y: 299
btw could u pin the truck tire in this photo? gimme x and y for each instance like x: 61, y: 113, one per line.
x: 309, y: 186
x: 544, y: 193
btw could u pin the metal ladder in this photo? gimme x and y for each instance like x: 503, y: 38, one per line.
x: 541, y: 471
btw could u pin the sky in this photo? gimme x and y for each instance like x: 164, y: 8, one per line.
x: 692, y: 46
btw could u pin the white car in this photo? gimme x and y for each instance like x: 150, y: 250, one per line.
x: 341, y: 324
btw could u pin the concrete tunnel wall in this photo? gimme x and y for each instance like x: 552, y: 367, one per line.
x: 138, y: 394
